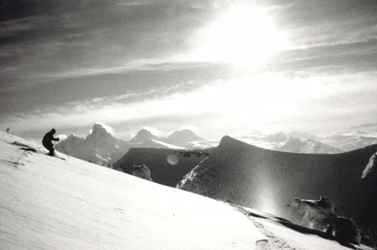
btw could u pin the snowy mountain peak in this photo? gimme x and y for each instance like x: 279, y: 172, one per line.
x: 230, y: 143
x: 100, y: 146
x: 143, y: 135
x: 225, y: 140
x: 184, y: 135
x: 100, y: 130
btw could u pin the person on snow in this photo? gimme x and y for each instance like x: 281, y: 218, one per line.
x: 47, y: 141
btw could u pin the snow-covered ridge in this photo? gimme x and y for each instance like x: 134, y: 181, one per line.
x: 370, y: 167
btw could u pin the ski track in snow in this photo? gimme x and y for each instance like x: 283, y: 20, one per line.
x: 273, y: 242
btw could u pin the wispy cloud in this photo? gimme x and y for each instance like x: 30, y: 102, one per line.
x: 230, y: 106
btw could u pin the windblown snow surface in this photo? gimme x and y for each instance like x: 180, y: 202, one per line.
x: 50, y: 203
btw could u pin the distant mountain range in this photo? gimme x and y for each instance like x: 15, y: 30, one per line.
x: 297, y: 142
x: 348, y: 141
x: 102, y: 147
x: 307, y: 146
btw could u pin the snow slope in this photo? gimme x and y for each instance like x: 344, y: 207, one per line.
x: 49, y: 203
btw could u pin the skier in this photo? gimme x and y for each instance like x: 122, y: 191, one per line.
x: 47, y: 141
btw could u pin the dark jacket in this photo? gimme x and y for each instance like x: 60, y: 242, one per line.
x: 48, y: 138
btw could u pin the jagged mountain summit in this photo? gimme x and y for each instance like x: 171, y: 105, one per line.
x: 143, y: 135
x: 187, y: 138
x: 100, y: 146
x: 267, y: 179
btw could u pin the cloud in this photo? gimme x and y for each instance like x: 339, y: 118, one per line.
x: 66, y: 63
x: 354, y: 57
x: 141, y: 82
x: 228, y: 106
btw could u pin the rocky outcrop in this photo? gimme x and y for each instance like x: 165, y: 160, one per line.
x: 142, y: 171
x: 321, y: 215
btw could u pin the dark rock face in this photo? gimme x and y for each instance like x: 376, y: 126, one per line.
x: 160, y: 164
x: 345, y: 230
x: 142, y: 171
x: 321, y: 215
x: 267, y: 180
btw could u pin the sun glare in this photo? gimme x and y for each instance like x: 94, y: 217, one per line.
x: 242, y: 35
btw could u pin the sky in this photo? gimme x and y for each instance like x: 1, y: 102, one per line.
x: 216, y: 66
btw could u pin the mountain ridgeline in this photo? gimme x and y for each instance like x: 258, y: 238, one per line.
x: 268, y: 180
x: 102, y: 147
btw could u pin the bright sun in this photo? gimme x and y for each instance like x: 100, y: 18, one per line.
x: 242, y: 35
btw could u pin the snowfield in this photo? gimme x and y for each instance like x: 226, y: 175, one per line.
x: 49, y: 203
